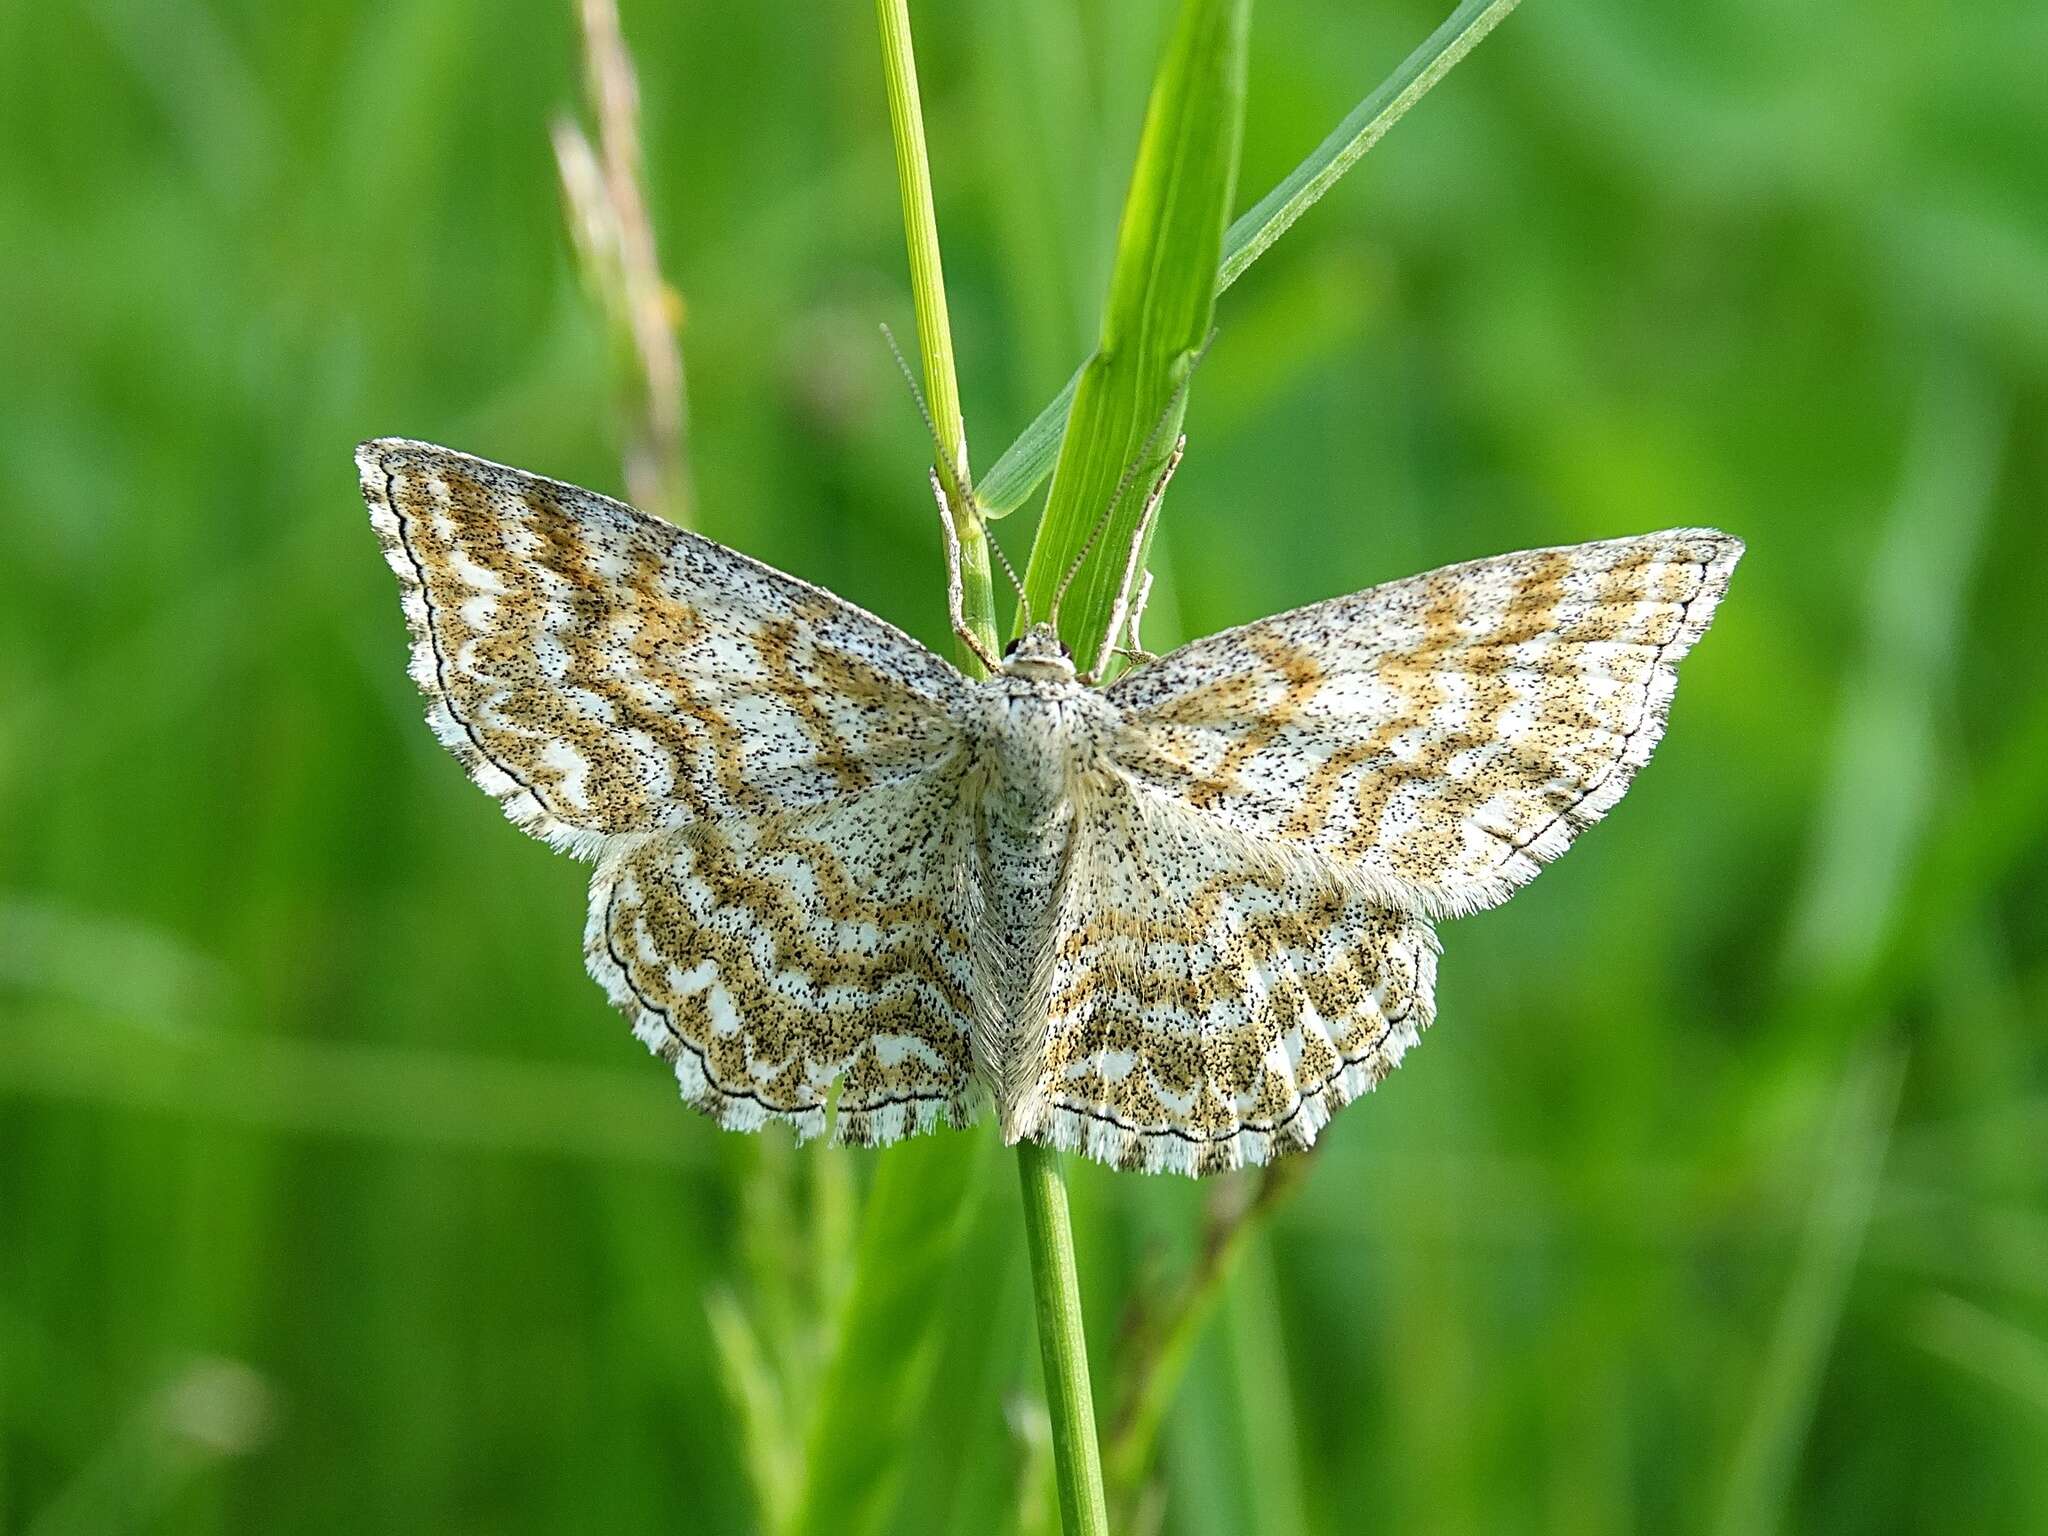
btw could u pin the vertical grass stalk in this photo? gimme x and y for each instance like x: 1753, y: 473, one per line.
x: 1062, y: 1342
x: 934, y: 328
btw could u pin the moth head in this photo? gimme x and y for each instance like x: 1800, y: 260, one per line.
x: 1040, y: 655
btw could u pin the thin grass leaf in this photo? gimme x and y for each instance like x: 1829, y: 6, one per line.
x: 1984, y: 1345
x: 1163, y: 1339
x: 1011, y: 480
x: 1014, y: 476
x: 1303, y: 187
x: 1888, y: 762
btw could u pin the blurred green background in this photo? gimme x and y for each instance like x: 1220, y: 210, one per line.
x: 334, y: 1198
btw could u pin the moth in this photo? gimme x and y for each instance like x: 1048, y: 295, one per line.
x: 1172, y: 923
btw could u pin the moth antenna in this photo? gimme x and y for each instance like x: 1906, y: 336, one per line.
x: 1130, y: 474
x: 960, y: 470
x: 925, y: 414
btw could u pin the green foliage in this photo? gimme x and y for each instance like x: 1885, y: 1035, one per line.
x: 298, y: 1065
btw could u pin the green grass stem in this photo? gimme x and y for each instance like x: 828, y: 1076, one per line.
x: 1062, y: 1341
x: 1844, y: 1198
x: 934, y: 326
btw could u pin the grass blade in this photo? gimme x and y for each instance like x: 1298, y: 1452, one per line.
x: 1268, y: 219
x: 1162, y: 295
x: 1266, y: 1417
x: 1014, y: 476
x: 1161, y: 1340
x: 1026, y: 462
x: 1986, y: 1346
x: 772, y: 1455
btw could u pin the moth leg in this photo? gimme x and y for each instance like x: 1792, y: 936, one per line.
x: 956, y: 591
x: 1136, y: 651
x: 1134, y: 578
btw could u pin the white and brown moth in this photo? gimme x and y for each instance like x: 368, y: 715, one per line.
x: 1171, y: 923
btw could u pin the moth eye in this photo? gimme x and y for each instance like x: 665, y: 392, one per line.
x: 1011, y: 649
